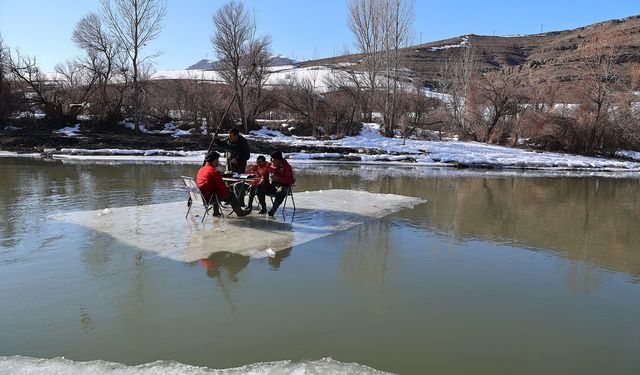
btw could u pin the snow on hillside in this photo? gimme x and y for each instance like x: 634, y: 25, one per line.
x: 278, y: 75
x: 463, y: 43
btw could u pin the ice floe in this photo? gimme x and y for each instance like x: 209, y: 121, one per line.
x: 163, y: 229
x: 20, y: 365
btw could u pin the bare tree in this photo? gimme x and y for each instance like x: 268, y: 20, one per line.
x: 61, y: 97
x: 134, y: 24
x: 424, y: 113
x: 259, y: 99
x: 301, y: 97
x: 457, y: 71
x: 398, y: 23
x: 37, y: 92
x: 381, y: 29
x: 594, y: 130
x: 210, y: 103
x: 7, y: 98
x: 106, y: 60
x: 501, y: 101
x: 240, y: 53
x: 77, y: 84
x: 366, y: 22
x: 347, y: 79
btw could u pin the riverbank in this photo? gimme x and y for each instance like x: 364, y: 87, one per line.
x: 367, y: 147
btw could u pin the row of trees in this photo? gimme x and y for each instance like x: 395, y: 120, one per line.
x: 111, y: 81
x: 111, y: 74
x: 505, y: 108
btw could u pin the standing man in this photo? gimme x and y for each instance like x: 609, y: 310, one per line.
x: 238, y: 148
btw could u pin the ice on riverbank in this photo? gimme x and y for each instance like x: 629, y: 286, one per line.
x: 376, y: 149
x: 163, y: 229
x: 445, y: 152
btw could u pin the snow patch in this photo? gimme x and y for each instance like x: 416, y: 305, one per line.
x: 70, y: 131
x: 463, y: 43
x: 635, y: 155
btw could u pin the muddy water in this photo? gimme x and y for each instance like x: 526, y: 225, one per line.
x: 496, y: 273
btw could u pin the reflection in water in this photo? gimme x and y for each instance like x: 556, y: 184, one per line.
x: 591, y: 219
x: 86, y: 322
x: 225, y: 266
x: 276, y: 260
x: 365, y: 260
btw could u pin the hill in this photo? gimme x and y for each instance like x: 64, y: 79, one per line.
x: 560, y: 56
x: 275, y: 60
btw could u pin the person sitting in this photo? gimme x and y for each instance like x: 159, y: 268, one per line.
x: 260, y: 169
x: 281, y: 178
x: 210, y: 182
x: 238, y: 148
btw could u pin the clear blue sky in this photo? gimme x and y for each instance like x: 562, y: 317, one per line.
x: 302, y: 29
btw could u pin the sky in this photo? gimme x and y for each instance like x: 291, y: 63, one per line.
x: 302, y: 29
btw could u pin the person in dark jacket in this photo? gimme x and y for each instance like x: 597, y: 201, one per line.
x: 238, y: 148
x: 281, y: 178
x: 210, y: 182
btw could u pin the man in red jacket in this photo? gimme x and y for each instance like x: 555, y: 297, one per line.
x: 210, y: 182
x: 281, y: 178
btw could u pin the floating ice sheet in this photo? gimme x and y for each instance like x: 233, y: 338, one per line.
x: 162, y: 228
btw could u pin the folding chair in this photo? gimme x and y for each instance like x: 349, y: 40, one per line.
x: 195, y: 195
x: 289, y: 194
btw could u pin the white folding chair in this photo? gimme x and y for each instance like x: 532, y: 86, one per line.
x: 195, y: 195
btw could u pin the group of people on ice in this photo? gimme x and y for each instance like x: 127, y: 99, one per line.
x: 272, y: 178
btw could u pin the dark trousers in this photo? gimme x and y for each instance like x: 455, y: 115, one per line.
x: 232, y: 201
x: 239, y: 167
x: 279, y: 192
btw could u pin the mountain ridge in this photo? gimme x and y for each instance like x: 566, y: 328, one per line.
x: 560, y: 57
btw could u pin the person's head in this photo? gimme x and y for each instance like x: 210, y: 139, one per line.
x: 234, y: 135
x: 261, y: 160
x: 212, y: 158
x: 277, y: 158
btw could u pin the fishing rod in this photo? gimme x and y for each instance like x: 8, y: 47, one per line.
x: 235, y: 94
x: 215, y: 134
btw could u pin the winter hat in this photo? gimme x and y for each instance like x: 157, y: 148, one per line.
x: 211, y: 156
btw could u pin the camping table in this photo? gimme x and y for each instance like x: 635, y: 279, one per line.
x: 238, y: 182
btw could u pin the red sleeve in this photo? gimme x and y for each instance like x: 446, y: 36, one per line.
x: 286, y: 174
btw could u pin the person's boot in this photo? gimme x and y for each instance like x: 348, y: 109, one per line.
x: 216, y: 210
x: 276, y: 204
x: 263, y: 210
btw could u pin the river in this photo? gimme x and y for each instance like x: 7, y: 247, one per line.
x: 496, y: 273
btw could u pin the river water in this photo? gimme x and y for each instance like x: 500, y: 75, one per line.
x: 495, y: 273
